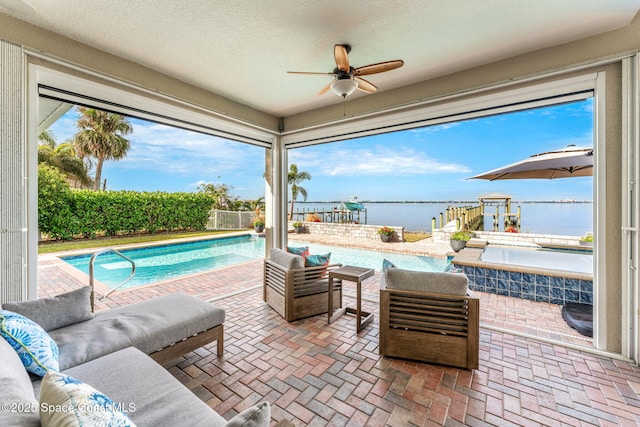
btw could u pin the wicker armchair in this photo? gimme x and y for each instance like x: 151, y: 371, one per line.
x: 429, y: 317
x: 295, y: 291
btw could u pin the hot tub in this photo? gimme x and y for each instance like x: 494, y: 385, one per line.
x: 557, y: 276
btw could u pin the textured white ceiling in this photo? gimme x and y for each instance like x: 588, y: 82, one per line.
x: 242, y: 49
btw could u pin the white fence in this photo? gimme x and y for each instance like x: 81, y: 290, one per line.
x: 229, y: 220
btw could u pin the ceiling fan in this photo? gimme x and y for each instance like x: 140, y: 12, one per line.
x: 346, y: 78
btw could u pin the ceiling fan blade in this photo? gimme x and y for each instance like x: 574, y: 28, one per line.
x: 326, y: 88
x: 380, y: 67
x: 310, y: 73
x: 365, y: 85
x: 342, y: 57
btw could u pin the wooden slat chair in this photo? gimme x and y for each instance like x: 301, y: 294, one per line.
x: 429, y: 317
x: 295, y: 291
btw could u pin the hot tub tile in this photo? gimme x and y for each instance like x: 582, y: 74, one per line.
x: 515, y: 286
x: 571, y: 296
x: 515, y: 276
x: 572, y: 284
x: 586, y: 298
x: 542, y: 280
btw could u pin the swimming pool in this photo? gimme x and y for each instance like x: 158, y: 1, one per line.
x: 157, y: 263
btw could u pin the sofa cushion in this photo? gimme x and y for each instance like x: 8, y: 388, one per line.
x: 286, y: 260
x: 424, y: 281
x: 65, y: 401
x: 35, y: 347
x: 148, y: 325
x: 16, y: 390
x: 152, y: 396
x: 56, y: 312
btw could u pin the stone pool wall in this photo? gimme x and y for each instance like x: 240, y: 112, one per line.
x: 353, y: 231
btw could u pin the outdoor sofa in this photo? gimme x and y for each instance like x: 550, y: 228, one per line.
x: 429, y: 317
x: 116, y: 352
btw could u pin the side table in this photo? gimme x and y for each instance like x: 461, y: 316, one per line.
x: 352, y: 274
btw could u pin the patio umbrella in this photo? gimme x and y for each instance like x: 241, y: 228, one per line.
x: 566, y: 163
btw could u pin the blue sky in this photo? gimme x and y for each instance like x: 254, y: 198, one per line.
x: 426, y: 164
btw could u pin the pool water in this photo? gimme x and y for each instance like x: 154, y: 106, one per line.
x: 157, y: 263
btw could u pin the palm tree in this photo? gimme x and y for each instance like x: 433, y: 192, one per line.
x: 293, y: 179
x: 47, y: 138
x: 63, y: 157
x: 101, y: 135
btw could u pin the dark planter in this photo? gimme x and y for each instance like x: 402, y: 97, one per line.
x: 457, y: 245
x: 259, y: 228
x: 386, y: 237
x: 299, y: 230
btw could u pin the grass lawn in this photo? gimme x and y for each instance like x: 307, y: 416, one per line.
x: 68, y: 245
x: 414, y: 237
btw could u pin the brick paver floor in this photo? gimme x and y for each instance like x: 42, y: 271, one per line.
x: 317, y: 374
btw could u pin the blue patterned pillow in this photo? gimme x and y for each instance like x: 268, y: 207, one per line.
x: 86, y: 405
x: 387, y: 264
x: 450, y: 268
x: 38, y: 352
x: 317, y: 260
x: 302, y: 251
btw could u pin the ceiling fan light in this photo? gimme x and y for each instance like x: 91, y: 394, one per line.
x: 344, y: 87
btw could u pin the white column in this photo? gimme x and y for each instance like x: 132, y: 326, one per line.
x: 13, y: 166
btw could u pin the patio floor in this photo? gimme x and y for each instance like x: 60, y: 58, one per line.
x: 317, y: 374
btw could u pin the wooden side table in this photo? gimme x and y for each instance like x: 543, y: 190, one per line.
x: 352, y: 274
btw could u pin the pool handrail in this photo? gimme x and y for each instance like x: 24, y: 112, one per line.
x: 91, y: 278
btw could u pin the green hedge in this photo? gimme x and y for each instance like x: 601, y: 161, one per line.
x: 65, y: 214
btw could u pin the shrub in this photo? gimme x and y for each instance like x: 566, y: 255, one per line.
x: 463, y: 235
x: 64, y: 213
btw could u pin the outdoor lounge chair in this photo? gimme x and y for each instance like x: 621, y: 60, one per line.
x: 429, y: 317
x: 295, y: 291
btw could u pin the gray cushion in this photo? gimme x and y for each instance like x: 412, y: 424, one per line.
x: 15, y: 389
x: 148, y: 325
x: 285, y: 259
x: 135, y: 381
x: 423, y: 281
x: 56, y: 312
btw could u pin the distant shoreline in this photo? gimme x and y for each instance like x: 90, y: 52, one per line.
x: 452, y: 202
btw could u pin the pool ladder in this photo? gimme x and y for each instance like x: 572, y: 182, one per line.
x: 121, y: 255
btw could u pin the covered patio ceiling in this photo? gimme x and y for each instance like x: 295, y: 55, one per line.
x: 243, y: 50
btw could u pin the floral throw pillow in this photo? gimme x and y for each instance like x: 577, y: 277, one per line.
x: 37, y: 350
x: 302, y: 251
x: 84, y: 405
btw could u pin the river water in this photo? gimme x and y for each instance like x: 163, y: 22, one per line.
x: 565, y: 218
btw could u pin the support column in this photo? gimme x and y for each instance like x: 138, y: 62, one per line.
x: 13, y: 183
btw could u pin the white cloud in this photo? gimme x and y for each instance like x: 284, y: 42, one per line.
x: 375, y: 161
x: 177, y: 151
